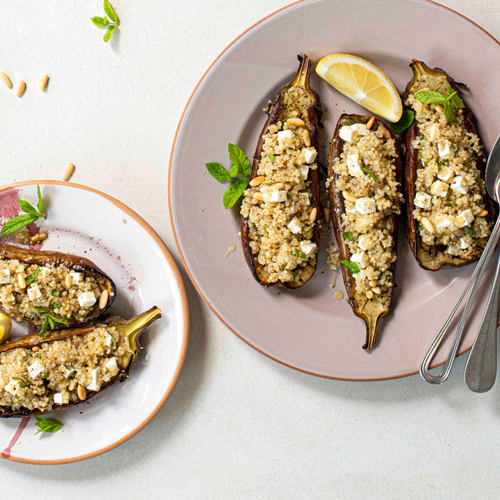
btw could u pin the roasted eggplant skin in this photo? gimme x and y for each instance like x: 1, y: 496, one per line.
x: 373, y: 311
x: 44, y: 258
x: 434, y: 258
x: 311, y: 115
x: 134, y: 328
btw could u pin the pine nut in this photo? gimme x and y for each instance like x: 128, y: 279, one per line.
x: 296, y: 121
x: 68, y: 171
x: 82, y: 392
x: 428, y: 225
x: 439, y: 108
x: 257, y: 181
x: 349, y: 196
x: 21, y: 88
x: 458, y: 161
x: 312, y: 215
x: 370, y: 123
x: 258, y: 196
x: 326, y: 214
x: 369, y: 294
x: 377, y: 290
x: 5, y: 79
x: 69, y: 281
x: 103, y: 300
x: 43, y: 82
x: 483, y: 213
x: 21, y: 281
x: 307, y: 137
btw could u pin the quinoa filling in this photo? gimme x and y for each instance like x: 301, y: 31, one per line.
x: 61, y: 371
x: 450, y: 204
x: 366, y: 176
x: 278, y: 203
x: 31, y: 292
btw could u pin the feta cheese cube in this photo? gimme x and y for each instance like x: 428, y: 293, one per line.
x: 276, y: 196
x: 111, y: 366
x: 422, y: 200
x: 440, y: 188
x: 35, y: 369
x: 445, y: 173
x: 34, y: 293
x: 465, y: 218
x: 460, y: 185
x: 310, y: 155
x: 93, y: 382
x: 353, y: 165
x: 4, y: 276
x: 361, y: 259
x: 304, y: 171
x: 295, y: 226
x: 77, y: 277
x: 284, y: 136
x: 365, y: 206
x: 305, y: 198
x: 444, y: 149
x: 307, y: 247
x: 12, y: 387
x: 87, y: 299
x: 365, y: 243
x: 443, y: 223
x: 110, y: 341
x: 464, y: 243
x: 61, y: 398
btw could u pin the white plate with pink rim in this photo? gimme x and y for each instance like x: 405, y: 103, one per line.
x: 85, y: 222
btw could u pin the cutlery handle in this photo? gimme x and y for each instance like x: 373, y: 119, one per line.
x: 474, y: 282
x: 481, y: 368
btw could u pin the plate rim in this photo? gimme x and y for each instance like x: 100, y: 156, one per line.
x: 170, y: 204
x: 185, y: 309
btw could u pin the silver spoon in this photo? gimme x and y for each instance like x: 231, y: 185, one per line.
x: 481, y: 368
x: 492, y: 172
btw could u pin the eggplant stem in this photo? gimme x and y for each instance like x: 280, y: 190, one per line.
x: 371, y: 331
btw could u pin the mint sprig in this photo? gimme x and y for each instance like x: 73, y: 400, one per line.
x: 104, y: 22
x: 47, y: 424
x: 31, y: 214
x: 449, y: 102
x: 240, y: 170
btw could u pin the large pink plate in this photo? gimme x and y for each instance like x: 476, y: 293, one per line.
x: 307, y: 329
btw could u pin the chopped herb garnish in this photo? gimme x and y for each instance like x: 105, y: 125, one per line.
x: 31, y: 214
x: 347, y: 236
x: 302, y: 255
x: 368, y: 171
x: 470, y: 231
x: 452, y: 205
x: 352, y: 266
x: 404, y: 122
x: 55, y: 293
x: 271, y: 157
x: 47, y: 424
x: 33, y: 277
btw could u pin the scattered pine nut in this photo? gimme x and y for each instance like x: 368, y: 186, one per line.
x: 68, y: 171
x: 103, y: 299
x: 257, y: 181
x: 43, y: 82
x: 297, y: 122
x: 5, y: 79
x: 313, y: 214
x: 21, y: 88
x: 370, y: 123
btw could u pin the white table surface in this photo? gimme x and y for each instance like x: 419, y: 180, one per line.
x: 238, y: 425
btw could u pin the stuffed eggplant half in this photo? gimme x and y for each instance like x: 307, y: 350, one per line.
x: 364, y: 184
x: 68, y: 367
x: 52, y: 289
x: 449, y: 213
x: 280, y: 213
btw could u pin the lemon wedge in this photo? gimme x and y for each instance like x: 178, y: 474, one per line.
x: 362, y: 82
x: 5, y: 327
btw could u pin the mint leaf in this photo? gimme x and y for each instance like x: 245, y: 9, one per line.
x: 27, y: 207
x: 352, y: 266
x: 110, y: 11
x: 218, y: 171
x: 347, y: 236
x: 234, y: 192
x: 449, y: 112
x: 100, y: 22
x: 110, y: 32
x: 47, y: 424
x: 404, y: 122
x: 18, y: 222
x: 429, y: 97
x: 240, y: 159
